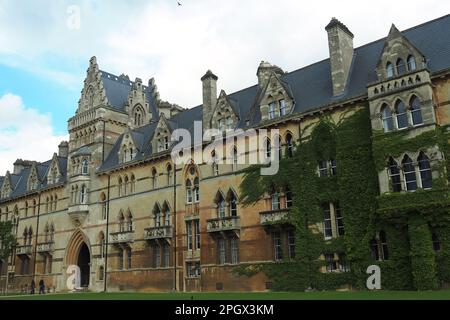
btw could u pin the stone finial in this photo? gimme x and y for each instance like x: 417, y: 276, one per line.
x: 209, y: 75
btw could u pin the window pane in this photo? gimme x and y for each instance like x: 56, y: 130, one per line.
x: 277, y: 246
x: 410, y: 174
x: 402, y: 117
x: 394, y: 174
x: 425, y: 171
x: 388, y: 123
x: 327, y: 229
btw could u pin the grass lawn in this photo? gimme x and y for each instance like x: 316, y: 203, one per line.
x: 326, y: 295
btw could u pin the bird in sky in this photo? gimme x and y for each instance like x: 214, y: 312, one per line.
x: 179, y: 3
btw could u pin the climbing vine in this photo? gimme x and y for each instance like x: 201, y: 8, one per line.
x: 408, y: 219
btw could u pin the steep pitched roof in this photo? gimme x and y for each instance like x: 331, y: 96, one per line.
x: 118, y: 89
x: 310, y: 86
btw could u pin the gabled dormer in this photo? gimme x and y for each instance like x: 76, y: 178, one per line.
x: 54, y: 171
x: 93, y: 93
x: 6, y: 187
x: 225, y: 116
x: 137, y: 107
x: 128, y: 148
x: 33, y: 178
x: 276, y: 99
x: 398, y: 57
x: 162, y: 137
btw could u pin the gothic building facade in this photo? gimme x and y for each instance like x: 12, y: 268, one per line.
x: 113, y: 202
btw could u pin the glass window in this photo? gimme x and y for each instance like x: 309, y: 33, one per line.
x: 374, y: 250
x: 416, y: 112
x: 229, y: 123
x: 288, y: 198
x: 331, y: 263
x: 233, y: 205
x: 221, y: 208
x: 425, y: 171
x: 197, y: 234
x: 409, y: 173
x: 323, y: 169
x: 268, y: 149
x: 167, y: 217
x: 188, y: 191
x: 333, y: 164
x: 384, y: 246
x: 282, y: 107
x: 275, y: 201
x: 394, y: 175
x: 339, y: 220
x: 190, y: 245
x: 402, y: 117
x: 289, y: 145
x: 412, y: 63
x: 388, y: 123
x: 278, y: 253
x: 85, y: 167
x: 272, y: 111
x: 196, y: 190
x: 120, y: 259
x: 401, y: 67
x: 129, y: 258
x: 327, y: 228
x: 389, y: 70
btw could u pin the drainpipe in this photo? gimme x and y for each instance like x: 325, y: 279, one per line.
x: 36, y: 239
x: 175, y: 283
x: 105, y: 268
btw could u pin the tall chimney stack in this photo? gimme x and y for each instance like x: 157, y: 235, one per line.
x: 340, y: 43
x: 63, y: 149
x: 209, y: 81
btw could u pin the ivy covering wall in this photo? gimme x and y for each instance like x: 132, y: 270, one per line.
x: 408, y: 219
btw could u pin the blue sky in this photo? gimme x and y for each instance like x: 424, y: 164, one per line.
x: 43, y: 58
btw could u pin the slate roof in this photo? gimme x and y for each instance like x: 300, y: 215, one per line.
x: 118, y: 89
x: 311, y: 88
x: 19, y: 181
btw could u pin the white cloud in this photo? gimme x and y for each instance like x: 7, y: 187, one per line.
x: 24, y: 133
x: 177, y: 44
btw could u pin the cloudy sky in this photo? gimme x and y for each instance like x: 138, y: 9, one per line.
x: 44, y: 51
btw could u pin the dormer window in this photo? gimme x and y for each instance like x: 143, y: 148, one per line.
x: 389, y: 70
x: 282, y: 103
x: 401, y: 68
x: 272, y: 111
x: 412, y: 66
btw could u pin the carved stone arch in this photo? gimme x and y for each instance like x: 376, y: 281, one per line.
x: 187, y: 171
x: 412, y: 94
x: 219, y: 195
x: 232, y: 191
x: 74, y: 245
x: 166, y: 205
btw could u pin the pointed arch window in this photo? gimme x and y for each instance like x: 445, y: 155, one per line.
x: 386, y: 114
x: 83, y: 194
x: 289, y: 146
x: 130, y: 221
x: 154, y: 178
x: 157, y: 215
x: 289, y: 198
x: 416, y: 112
x: 132, y: 184
x: 282, y: 103
x: 401, y: 67
x: 389, y: 70
x: 169, y: 174
x: 394, y: 175
x: 196, y: 190
x: 233, y: 204
x: 409, y: 173
x: 119, y: 186
x: 268, y: 149
x: 411, y: 63
x: 85, y: 167
x: 188, y: 191
x: 104, y: 205
x: 272, y: 111
x: 221, y: 206
x: 215, y: 163
x: 275, y: 200
x: 166, y: 215
x: 402, y: 117
x: 121, y: 222
x: 426, y: 178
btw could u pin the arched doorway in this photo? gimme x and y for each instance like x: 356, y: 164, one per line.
x: 84, y: 260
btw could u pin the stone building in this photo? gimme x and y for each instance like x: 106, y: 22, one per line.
x: 113, y: 202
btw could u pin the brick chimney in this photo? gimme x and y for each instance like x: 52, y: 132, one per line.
x: 340, y: 43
